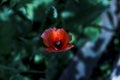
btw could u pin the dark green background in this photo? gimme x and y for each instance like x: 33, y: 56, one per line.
x: 23, y: 21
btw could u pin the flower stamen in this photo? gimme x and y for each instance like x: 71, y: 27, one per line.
x: 58, y: 44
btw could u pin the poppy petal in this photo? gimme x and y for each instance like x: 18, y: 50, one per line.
x: 57, y: 50
x: 45, y: 36
x: 51, y: 50
x: 66, y: 38
x: 62, y: 35
x: 67, y: 47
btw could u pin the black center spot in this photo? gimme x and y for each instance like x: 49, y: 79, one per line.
x: 58, y: 44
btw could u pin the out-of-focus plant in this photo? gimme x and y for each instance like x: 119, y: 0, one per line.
x: 23, y: 21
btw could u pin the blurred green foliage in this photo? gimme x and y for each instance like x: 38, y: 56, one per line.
x: 23, y: 21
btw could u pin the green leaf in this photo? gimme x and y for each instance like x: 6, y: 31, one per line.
x: 92, y: 33
x: 82, y: 14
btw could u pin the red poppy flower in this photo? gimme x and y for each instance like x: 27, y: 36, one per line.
x: 56, y: 40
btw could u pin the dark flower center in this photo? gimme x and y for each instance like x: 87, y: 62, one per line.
x: 58, y: 44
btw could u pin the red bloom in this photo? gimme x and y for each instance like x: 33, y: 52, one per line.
x: 56, y: 40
